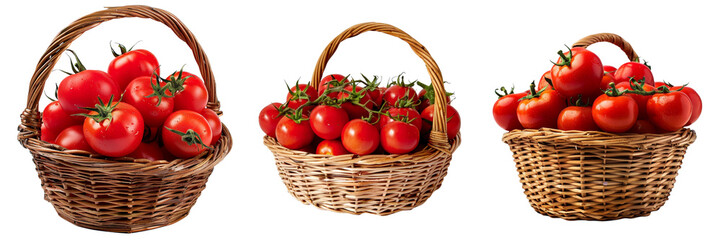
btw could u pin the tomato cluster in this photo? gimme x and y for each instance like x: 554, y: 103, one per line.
x: 580, y: 93
x: 131, y: 111
x: 343, y: 117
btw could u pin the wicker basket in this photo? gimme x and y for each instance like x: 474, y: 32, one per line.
x: 376, y: 184
x: 122, y: 194
x: 592, y: 175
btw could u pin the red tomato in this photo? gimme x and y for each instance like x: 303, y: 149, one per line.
x: 186, y: 133
x: 327, y: 121
x: 47, y: 134
x: 55, y: 118
x: 215, y: 125
x: 577, y: 72
x: 427, y: 97
x: 294, y: 135
x: 542, y: 110
x: 269, y: 118
x: 360, y: 137
x: 189, y: 91
x: 643, y: 126
x: 615, y: 114
x: 504, y: 111
x: 636, y: 70
x: 607, y: 79
x: 576, y: 118
x: 116, y: 131
x: 669, y: 111
x: 331, y: 147
x: 332, y: 80
x: 409, y: 113
x: 297, y: 98
x: 453, y: 121
x: 148, y: 95
x: 609, y: 69
x: 397, y: 92
x: 543, y: 82
x: 72, y: 138
x: 354, y: 97
x: 696, y: 103
x: 150, y: 151
x: 131, y: 65
x: 399, y: 137
x: 81, y: 90
x: 639, y: 99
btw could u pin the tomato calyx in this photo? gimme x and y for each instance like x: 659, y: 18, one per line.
x: 122, y: 48
x: 566, y: 58
x: 533, y: 93
x: 612, y: 91
x: 77, y: 66
x: 430, y: 92
x: 175, y: 84
x: 579, y: 102
x: 355, y: 96
x: 401, y: 81
x: 505, y: 92
x: 190, y: 137
x: 370, y: 85
x: 298, y: 94
x: 104, y: 111
x: 158, y: 91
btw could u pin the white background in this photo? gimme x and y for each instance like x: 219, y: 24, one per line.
x: 254, y: 47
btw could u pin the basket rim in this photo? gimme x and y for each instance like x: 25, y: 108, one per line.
x: 599, y: 138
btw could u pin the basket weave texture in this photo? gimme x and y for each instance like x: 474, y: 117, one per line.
x: 376, y: 184
x: 590, y: 175
x: 119, y: 194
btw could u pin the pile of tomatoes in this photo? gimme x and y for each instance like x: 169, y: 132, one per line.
x: 347, y: 116
x: 131, y: 111
x: 580, y: 93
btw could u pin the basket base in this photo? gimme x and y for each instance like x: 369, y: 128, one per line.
x: 136, y: 227
x: 592, y: 217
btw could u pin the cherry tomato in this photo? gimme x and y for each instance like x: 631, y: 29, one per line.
x: 150, y: 151
x: 331, y: 147
x: 639, y: 99
x: 215, y: 125
x: 189, y: 94
x: 116, y: 131
x: 144, y: 93
x: 294, y: 135
x: 643, y: 126
x: 615, y: 114
x: 327, y: 121
x: 576, y: 118
x: 186, y: 133
x: 399, y: 137
x: 332, y: 80
x: 669, y: 111
x: 541, y: 111
x: 72, y: 138
x: 636, y: 70
x: 130, y: 65
x: 410, y: 113
x: 453, y: 121
x: 577, y: 72
x: 543, y: 82
x: 397, y: 92
x: 696, y: 103
x: 297, y: 98
x: 55, y: 118
x: 504, y: 111
x: 269, y: 119
x: 609, y: 69
x: 360, y: 137
x: 354, y: 96
x: 47, y: 134
x: 81, y: 90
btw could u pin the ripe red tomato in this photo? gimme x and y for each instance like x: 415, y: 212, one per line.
x: 115, y: 130
x: 504, y: 110
x: 327, y: 121
x: 576, y: 118
x: 332, y: 80
x: 150, y: 151
x: 186, y: 133
x: 189, y: 91
x: 55, y: 118
x: 409, y: 113
x: 643, y: 126
x: 47, y: 134
x: 542, y: 110
x: 615, y: 114
x: 609, y: 69
x: 297, y: 98
x: 397, y: 92
x: 636, y: 70
x: 360, y: 137
x: 353, y: 97
x: 543, y: 82
x: 639, y: 99
x: 696, y: 103
x: 399, y: 137
x: 150, y: 98
x: 82, y: 90
x: 294, y: 135
x: 269, y: 119
x: 215, y: 125
x: 669, y: 111
x: 331, y: 147
x: 607, y: 79
x: 578, y: 71
x: 130, y: 65
x: 72, y: 138
x: 453, y: 121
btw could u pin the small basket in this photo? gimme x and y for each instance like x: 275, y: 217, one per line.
x: 591, y: 175
x: 376, y: 184
x: 119, y: 194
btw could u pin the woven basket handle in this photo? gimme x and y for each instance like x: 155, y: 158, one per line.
x: 438, y: 138
x: 611, y: 38
x: 30, y: 117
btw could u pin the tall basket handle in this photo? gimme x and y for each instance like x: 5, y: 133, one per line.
x: 438, y: 138
x: 611, y: 38
x: 30, y: 117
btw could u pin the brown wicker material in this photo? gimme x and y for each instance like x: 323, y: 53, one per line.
x: 122, y: 194
x: 377, y: 184
x: 592, y: 175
